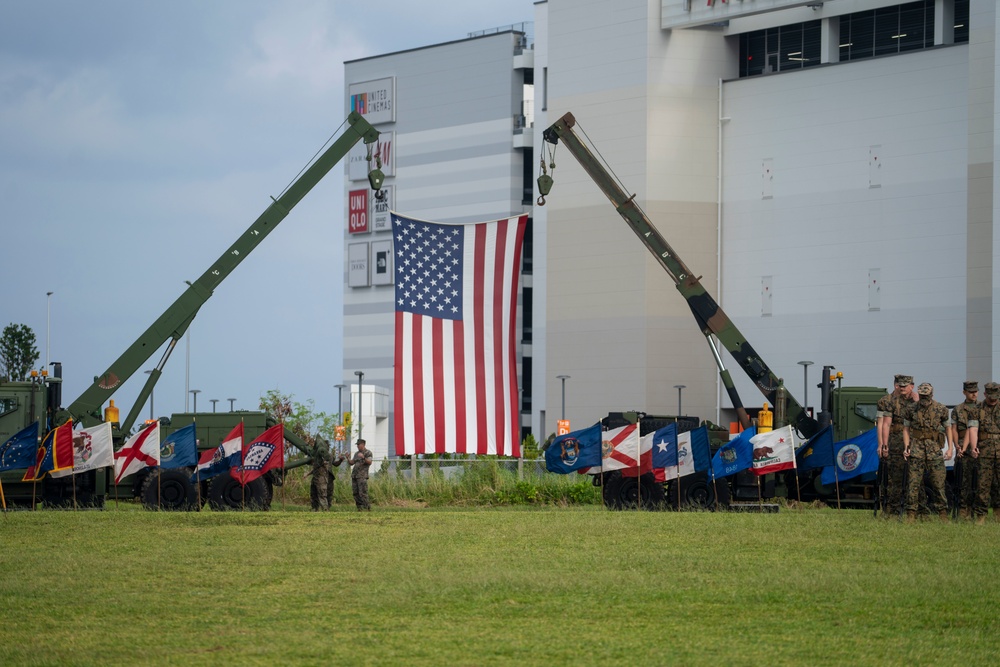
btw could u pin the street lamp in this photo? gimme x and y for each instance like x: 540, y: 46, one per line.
x: 805, y: 383
x: 48, y: 324
x: 213, y: 401
x: 150, y: 397
x: 563, y: 378
x: 231, y: 401
x: 361, y: 377
x: 195, y: 392
x: 679, y: 388
x: 340, y: 401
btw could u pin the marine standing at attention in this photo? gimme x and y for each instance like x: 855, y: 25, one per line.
x: 892, y: 411
x: 922, y: 447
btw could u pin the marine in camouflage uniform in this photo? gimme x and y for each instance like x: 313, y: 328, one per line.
x: 922, y: 441
x: 965, y: 416
x: 986, y: 447
x: 892, y: 411
x: 323, y: 463
x: 360, y: 462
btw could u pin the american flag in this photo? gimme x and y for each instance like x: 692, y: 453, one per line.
x: 455, y: 362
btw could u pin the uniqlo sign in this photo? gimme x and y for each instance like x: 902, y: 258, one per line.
x: 357, y: 207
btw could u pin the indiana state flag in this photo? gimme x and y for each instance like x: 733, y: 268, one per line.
x: 735, y: 456
x: 854, y: 456
x: 19, y: 450
x: 180, y: 448
x: 575, y: 451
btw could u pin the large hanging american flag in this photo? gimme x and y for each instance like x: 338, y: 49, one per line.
x: 455, y: 362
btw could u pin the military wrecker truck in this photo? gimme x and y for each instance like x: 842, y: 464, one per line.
x: 851, y: 410
x: 40, y: 397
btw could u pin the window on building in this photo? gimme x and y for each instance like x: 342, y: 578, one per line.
x: 887, y: 30
x: 780, y: 49
x: 961, y: 21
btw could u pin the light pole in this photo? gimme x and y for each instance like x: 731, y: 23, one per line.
x: 805, y: 383
x: 231, y: 402
x: 213, y: 401
x: 563, y: 378
x: 361, y: 377
x: 48, y: 325
x: 340, y: 402
x: 679, y: 388
x: 195, y: 392
x: 150, y: 397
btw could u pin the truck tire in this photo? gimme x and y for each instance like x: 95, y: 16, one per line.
x: 630, y: 492
x: 225, y: 493
x: 697, y: 492
x: 169, y: 489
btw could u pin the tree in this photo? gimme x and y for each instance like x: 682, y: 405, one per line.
x: 17, y: 352
x: 301, y: 418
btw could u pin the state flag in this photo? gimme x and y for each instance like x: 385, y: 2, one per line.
x: 773, y: 451
x: 180, y: 448
x: 854, y: 456
x: 266, y: 452
x: 54, y: 454
x: 19, y: 450
x: 93, y: 448
x: 142, y: 450
x: 216, y: 461
x: 692, y: 454
x: 735, y: 456
x: 663, y: 442
x: 622, y: 448
x: 817, y: 452
x: 575, y: 451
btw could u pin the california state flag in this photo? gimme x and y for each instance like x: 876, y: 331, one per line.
x: 773, y: 451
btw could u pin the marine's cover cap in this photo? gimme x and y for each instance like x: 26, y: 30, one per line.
x: 970, y: 385
x: 903, y: 380
x: 925, y: 389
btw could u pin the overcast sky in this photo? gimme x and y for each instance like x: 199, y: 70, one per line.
x: 139, y: 139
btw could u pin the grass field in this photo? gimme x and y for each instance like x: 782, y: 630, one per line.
x: 532, y: 586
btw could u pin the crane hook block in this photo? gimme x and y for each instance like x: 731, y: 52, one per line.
x: 375, y: 178
x: 544, y: 187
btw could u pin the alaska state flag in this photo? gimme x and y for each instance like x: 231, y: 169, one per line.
x: 855, y: 456
x: 180, y: 448
x: 20, y: 449
x: 216, y: 461
x: 735, y: 456
x: 575, y: 451
x: 817, y: 452
x: 266, y: 452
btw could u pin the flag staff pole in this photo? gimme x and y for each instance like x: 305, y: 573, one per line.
x: 678, y: 477
x: 836, y: 479
x: 197, y: 457
x: 760, y: 500
x: 243, y: 471
x: 3, y: 500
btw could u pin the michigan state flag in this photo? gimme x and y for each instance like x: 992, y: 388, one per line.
x: 575, y: 451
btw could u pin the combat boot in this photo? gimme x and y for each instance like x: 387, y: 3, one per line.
x: 911, y: 516
x: 943, y: 514
x: 964, y: 513
x: 981, y: 520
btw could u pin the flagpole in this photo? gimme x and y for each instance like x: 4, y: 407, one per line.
x: 760, y: 500
x: 73, y: 482
x: 243, y: 469
x: 836, y: 479
x: 678, y: 468
x: 197, y: 459
x: 715, y: 488
x: 3, y: 500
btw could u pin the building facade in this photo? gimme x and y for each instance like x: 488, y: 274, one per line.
x: 829, y: 169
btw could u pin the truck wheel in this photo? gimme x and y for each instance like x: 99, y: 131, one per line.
x: 697, y: 492
x: 225, y: 493
x: 629, y: 492
x: 169, y: 489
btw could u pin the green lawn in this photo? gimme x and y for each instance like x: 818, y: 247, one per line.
x: 534, y: 586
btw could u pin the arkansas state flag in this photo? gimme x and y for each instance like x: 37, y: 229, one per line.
x: 455, y: 365
x: 261, y: 455
x: 622, y: 448
x: 773, y: 451
x: 142, y: 450
x: 93, y: 448
x: 54, y: 454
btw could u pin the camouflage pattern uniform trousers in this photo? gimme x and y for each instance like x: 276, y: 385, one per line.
x: 360, y: 463
x: 321, y: 487
x: 988, y: 494
x: 964, y: 415
x: 899, y: 408
x: 926, y: 424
